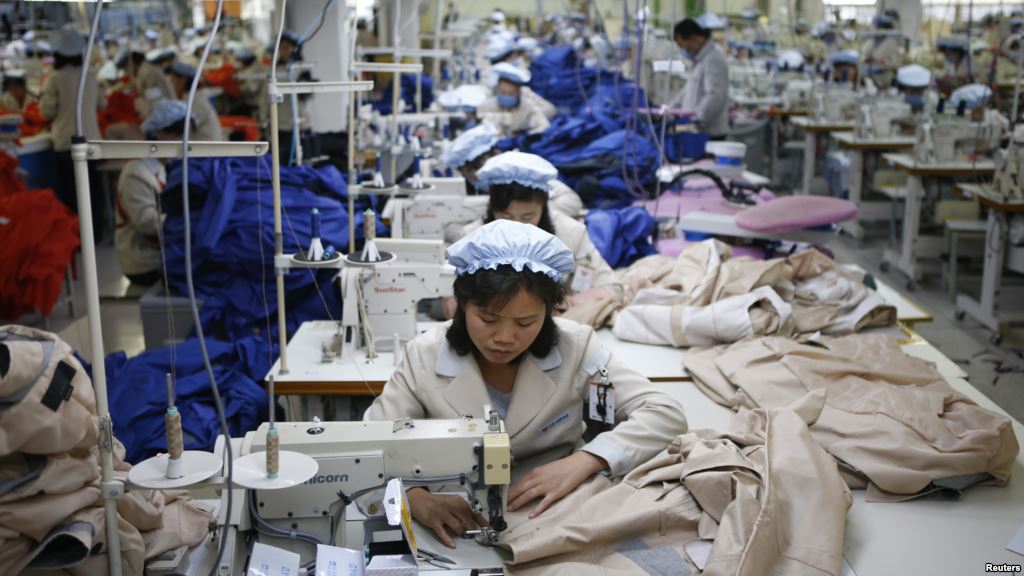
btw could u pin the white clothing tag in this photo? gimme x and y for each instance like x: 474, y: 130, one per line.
x: 582, y: 279
x: 271, y: 561
x: 602, y: 402
x: 334, y: 561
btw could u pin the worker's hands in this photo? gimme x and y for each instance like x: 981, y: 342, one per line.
x: 551, y: 482
x: 443, y: 512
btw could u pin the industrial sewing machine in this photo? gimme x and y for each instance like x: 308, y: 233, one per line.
x: 883, y: 117
x: 835, y: 103
x: 749, y: 79
x: 797, y: 94
x: 380, y: 298
x: 946, y: 138
x: 356, y: 460
x: 427, y: 216
x: 1009, y: 176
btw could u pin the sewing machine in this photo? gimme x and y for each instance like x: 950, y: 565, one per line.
x: 380, y: 300
x: 750, y: 79
x: 427, y: 216
x: 835, y: 104
x: 882, y: 117
x: 356, y: 460
x: 948, y: 138
x: 797, y: 94
x: 1009, y: 176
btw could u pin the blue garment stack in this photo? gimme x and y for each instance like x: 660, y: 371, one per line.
x: 622, y: 236
x: 138, y: 397
x: 408, y: 95
x: 232, y: 215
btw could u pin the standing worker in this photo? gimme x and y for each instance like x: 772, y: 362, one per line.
x: 208, y: 127
x: 151, y: 80
x: 881, y: 53
x: 58, y: 107
x: 707, y: 89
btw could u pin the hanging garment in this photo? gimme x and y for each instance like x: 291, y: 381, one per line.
x: 891, y: 420
x: 52, y: 515
x: 762, y: 498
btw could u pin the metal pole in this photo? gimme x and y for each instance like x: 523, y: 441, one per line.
x: 275, y: 167
x: 396, y: 89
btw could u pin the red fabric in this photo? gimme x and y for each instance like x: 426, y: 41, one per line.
x: 32, y: 121
x: 38, y: 238
x: 248, y: 127
x: 120, y: 108
x: 10, y: 182
x: 225, y: 78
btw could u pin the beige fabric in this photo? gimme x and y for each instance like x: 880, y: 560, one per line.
x: 10, y: 103
x: 539, y: 102
x: 563, y: 199
x: 706, y: 296
x: 527, y: 118
x: 57, y: 105
x: 137, y: 219
x: 770, y: 498
x: 207, y: 128
x: 890, y: 417
x: 545, y: 418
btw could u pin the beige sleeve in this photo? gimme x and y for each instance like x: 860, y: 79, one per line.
x: 50, y: 101
x: 138, y: 201
x: 398, y: 400
x: 538, y: 121
x: 647, y: 419
x: 604, y: 276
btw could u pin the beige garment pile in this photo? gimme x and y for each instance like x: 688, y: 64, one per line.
x: 51, y: 513
x: 763, y: 498
x: 706, y: 296
x: 892, y: 422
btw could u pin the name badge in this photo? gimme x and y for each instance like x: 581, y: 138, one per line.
x: 602, y: 402
x: 582, y: 279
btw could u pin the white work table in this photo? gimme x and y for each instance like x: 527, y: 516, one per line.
x: 999, y: 254
x: 307, y: 375
x: 812, y: 129
x: 910, y: 248
x: 858, y: 148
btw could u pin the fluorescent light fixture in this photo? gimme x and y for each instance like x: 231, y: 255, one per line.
x: 850, y: 2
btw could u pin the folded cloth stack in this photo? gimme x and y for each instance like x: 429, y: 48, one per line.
x: 761, y: 498
x: 893, y: 423
x: 707, y: 296
x: 51, y: 512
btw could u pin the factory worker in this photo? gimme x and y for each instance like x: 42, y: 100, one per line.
x: 474, y: 147
x: 975, y: 99
x: 207, y: 121
x: 844, y: 67
x: 151, y: 81
x: 57, y: 106
x: 881, y: 52
x: 956, y: 70
x: 742, y: 50
x: 528, y: 48
x: 251, y: 76
x: 504, y: 348
x: 138, y: 219
x: 513, y: 108
x: 15, y: 94
x: 504, y: 49
x: 467, y: 99
x: 706, y: 92
x: 913, y: 81
x: 290, y: 52
x: 519, y: 186
x: 789, y: 61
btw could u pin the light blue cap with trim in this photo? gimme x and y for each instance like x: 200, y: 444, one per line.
x: 470, y: 145
x: 520, y: 168
x: 507, y: 242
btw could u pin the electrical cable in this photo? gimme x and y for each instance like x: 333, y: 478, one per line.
x: 217, y: 401
x: 306, y: 34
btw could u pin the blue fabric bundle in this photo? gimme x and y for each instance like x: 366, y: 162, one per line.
x: 558, y: 76
x: 232, y: 215
x: 138, y: 397
x: 383, y: 105
x: 622, y: 236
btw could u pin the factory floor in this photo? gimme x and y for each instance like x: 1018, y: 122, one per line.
x: 997, y: 371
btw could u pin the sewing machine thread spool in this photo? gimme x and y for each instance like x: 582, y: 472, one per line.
x: 175, y: 440
x: 273, y: 441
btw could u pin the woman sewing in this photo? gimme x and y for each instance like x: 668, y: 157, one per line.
x: 504, y: 348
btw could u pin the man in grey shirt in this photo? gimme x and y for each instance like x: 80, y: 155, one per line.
x: 706, y: 92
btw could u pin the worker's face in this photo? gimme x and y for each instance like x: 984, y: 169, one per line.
x: 692, y: 45
x: 502, y: 335
x: 18, y: 91
x: 506, y: 88
x: 284, y: 53
x: 952, y: 56
x: 524, y: 212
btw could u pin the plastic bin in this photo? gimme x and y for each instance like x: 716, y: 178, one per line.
x: 153, y: 310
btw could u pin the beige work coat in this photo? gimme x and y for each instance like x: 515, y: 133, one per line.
x: 546, y: 416
x: 152, y: 86
x: 891, y: 420
x: 207, y: 128
x: 762, y: 496
x: 564, y: 199
x: 137, y: 221
x: 527, y: 118
x: 57, y: 105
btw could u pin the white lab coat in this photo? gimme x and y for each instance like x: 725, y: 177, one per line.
x: 58, y: 106
x: 592, y: 271
x: 545, y: 419
x: 527, y: 118
x: 564, y: 199
x: 138, y: 219
x: 707, y: 91
x: 541, y: 103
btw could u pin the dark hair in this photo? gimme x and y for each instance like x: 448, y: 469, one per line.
x: 178, y: 128
x: 688, y: 29
x: 60, y: 61
x: 12, y: 81
x: 494, y: 289
x: 504, y: 194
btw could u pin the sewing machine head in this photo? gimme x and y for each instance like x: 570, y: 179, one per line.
x: 836, y: 103
x: 469, y: 456
x: 948, y: 138
x: 797, y: 94
x: 428, y: 216
x: 883, y: 116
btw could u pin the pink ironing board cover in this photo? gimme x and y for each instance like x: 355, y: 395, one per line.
x: 795, y: 213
